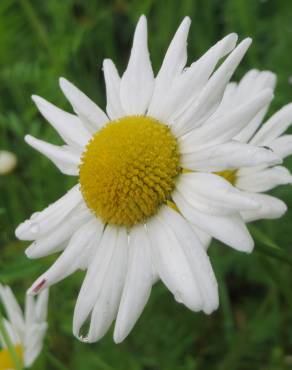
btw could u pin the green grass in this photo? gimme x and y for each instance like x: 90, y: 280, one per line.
x: 42, y: 40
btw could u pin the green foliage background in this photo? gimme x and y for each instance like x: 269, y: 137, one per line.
x: 42, y: 40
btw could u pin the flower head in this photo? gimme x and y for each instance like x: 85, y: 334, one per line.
x: 257, y: 179
x: 147, y: 193
x: 25, y: 330
x: 260, y: 179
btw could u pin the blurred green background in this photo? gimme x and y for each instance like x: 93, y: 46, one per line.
x: 42, y: 40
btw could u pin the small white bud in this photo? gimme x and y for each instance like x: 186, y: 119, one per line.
x: 8, y: 162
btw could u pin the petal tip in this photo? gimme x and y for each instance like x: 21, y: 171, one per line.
x: 29, y: 252
x: 234, y: 36
x: 247, y: 40
x: 187, y: 21
x: 187, y: 18
x: 37, y: 99
x: 37, y: 287
x: 231, y: 39
x: 245, y: 44
x: 249, y: 247
x: 118, y: 338
x: 19, y: 230
x: 28, y: 139
x: 141, y: 24
x: 106, y: 61
x: 64, y: 84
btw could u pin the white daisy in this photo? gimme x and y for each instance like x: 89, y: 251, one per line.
x: 254, y: 181
x: 26, y: 331
x: 264, y: 178
x: 8, y: 162
x: 138, y: 209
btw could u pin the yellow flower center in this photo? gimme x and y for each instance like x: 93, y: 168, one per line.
x: 128, y: 170
x: 6, y: 361
x: 229, y: 175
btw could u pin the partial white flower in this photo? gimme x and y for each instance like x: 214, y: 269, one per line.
x: 255, y: 180
x: 8, y: 162
x: 26, y: 330
x: 270, y: 135
x: 147, y: 198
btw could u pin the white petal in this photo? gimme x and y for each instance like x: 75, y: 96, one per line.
x: 248, y: 131
x: 228, y: 99
x: 106, y: 306
x: 264, y: 180
x: 187, y: 85
x: 69, y: 127
x: 57, y: 240
x: 231, y: 155
x: 94, y: 279
x: 224, y: 128
x: 35, y: 326
x: 82, y: 243
x: 246, y: 171
x: 271, y: 208
x: 204, y: 238
x: 230, y: 230
x: 13, y: 335
x: 255, y: 81
x: 30, y: 310
x: 137, y: 285
x: 212, y: 194
x: 112, y: 83
x: 63, y: 158
x: 172, y: 264
x: 274, y: 127
x: 174, y: 62
x: 282, y: 146
x: 12, y: 309
x: 41, y: 304
x: 41, y: 223
x: 34, y: 337
x: 212, y: 94
x: 137, y: 81
x: 90, y: 114
x: 196, y: 256
x: 250, y: 85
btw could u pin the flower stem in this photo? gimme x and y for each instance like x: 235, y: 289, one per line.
x: 9, y: 344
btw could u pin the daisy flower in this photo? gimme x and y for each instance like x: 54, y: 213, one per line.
x: 26, y: 331
x: 8, y: 162
x: 256, y: 180
x: 144, y: 203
